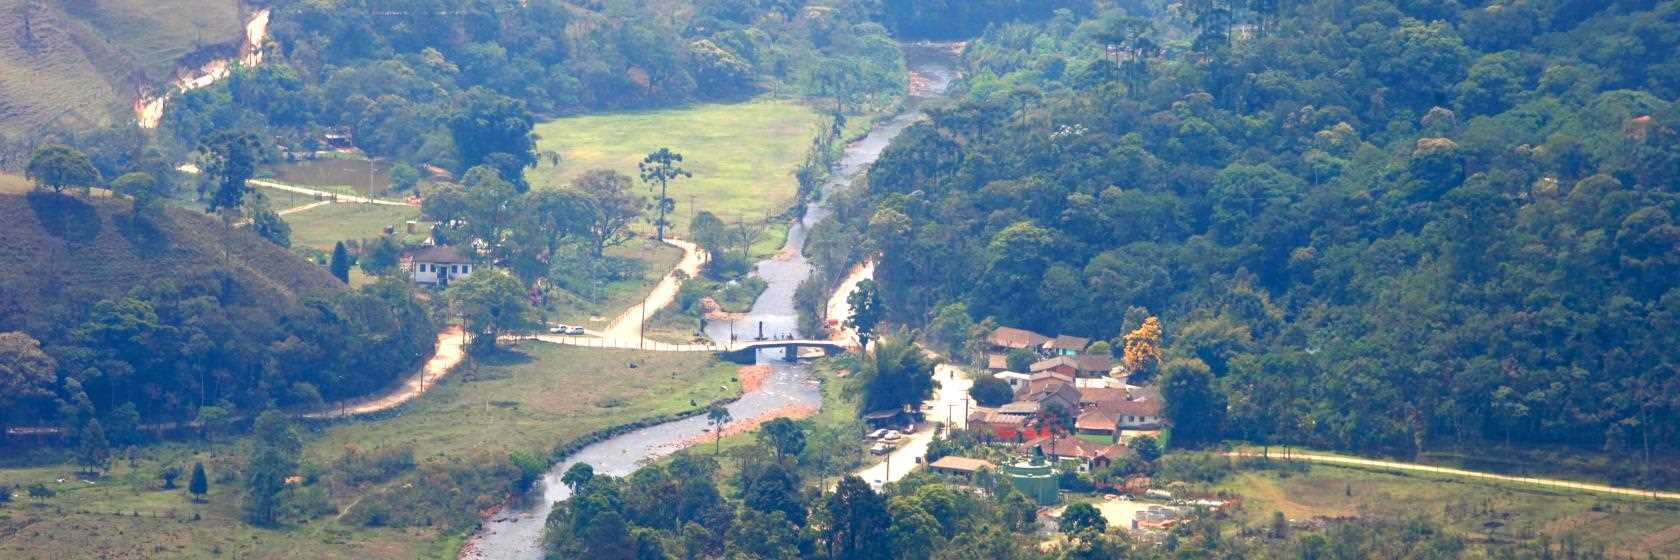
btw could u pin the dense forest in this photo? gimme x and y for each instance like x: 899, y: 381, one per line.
x: 1389, y: 226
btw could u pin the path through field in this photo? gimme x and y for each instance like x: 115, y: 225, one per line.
x: 1553, y: 483
x: 451, y: 347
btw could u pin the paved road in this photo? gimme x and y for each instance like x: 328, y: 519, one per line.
x: 949, y: 403
x: 1553, y: 483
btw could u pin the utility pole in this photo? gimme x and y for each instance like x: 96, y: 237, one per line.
x: 641, y: 335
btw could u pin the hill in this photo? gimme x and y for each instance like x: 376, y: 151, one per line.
x: 77, y: 64
x: 174, y: 312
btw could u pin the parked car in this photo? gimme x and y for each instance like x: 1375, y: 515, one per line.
x: 880, y: 449
x: 877, y: 434
x: 559, y: 329
x: 892, y: 435
x: 575, y: 330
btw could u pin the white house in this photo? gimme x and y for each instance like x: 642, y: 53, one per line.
x: 438, y: 265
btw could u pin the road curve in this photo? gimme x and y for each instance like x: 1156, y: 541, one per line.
x: 1548, y: 482
x: 628, y: 325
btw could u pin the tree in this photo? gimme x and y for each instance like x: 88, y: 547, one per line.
x: 771, y: 487
x: 1146, y: 447
x: 216, y: 421
x: 577, y: 475
x: 147, y: 192
x: 340, y: 263
x: 991, y: 391
x: 612, y: 208
x: 268, y: 224
x: 866, y: 310
x: 27, y: 377
x: 1020, y: 359
x: 914, y: 532
x: 857, y: 522
x: 403, y: 176
x: 894, y: 373
x: 758, y: 534
x: 1194, y: 406
x: 784, y: 435
x: 274, y: 458
x: 228, y: 160
x: 1082, y: 516
x: 485, y: 124
x: 5, y: 494
x: 380, y: 256
x: 93, y: 452
x: 717, y: 416
x: 169, y: 474
x: 709, y: 231
x: 490, y: 301
x: 56, y: 166
x: 199, y: 485
x: 661, y: 167
x: 40, y: 492
x: 1143, y: 349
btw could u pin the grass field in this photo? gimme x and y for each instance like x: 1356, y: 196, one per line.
x: 1482, y: 511
x: 659, y: 259
x: 530, y: 400
x: 14, y: 184
x: 322, y: 226
x: 743, y: 155
x: 86, y: 61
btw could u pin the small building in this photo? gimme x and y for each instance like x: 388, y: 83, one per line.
x: 1064, y: 345
x: 1004, y: 427
x: 1005, y: 339
x: 1040, y: 380
x: 1084, y: 454
x: 1092, y: 397
x: 1134, y: 414
x: 960, y: 467
x: 1058, y: 394
x: 1094, y: 365
x: 1098, y: 423
x: 891, y: 418
x: 438, y: 265
x: 1064, y: 365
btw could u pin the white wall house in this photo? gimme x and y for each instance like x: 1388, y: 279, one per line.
x: 438, y: 265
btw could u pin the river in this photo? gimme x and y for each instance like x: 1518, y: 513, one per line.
x: 516, y: 533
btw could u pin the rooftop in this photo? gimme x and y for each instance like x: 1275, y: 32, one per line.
x: 1010, y: 337
x: 964, y: 464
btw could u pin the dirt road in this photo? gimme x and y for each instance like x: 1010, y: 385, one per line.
x: 839, y: 310
x: 628, y: 326
x: 451, y: 348
x: 1553, y: 483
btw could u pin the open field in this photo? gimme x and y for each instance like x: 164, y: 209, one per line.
x: 658, y: 259
x: 530, y: 400
x: 82, y: 63
x: 743, y: 155
x: 322, y: 226
x: 1483, y: 511
x: 14, y: 184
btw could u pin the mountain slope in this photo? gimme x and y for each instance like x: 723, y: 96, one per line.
x: 78, y: 64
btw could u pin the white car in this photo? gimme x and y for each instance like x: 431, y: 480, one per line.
x: 877, y: 434
x: 575, y: 330
x: 559, y: 329
x: 880, y: 449
x: 892, y: 435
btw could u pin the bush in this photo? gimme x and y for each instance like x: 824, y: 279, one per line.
x: 1075, y: 482
x: 356, y: 467
x: 991, y: 391
x: 1193, y: 467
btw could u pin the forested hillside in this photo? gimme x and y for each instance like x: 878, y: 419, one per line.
x: 1381, y: 225
x: 120, y: 317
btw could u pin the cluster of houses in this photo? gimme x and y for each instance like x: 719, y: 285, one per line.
x: 1065, y: 387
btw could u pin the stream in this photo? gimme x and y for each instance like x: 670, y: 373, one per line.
x: 516, y: 532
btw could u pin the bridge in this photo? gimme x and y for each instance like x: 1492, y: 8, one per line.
x: 746, y: 352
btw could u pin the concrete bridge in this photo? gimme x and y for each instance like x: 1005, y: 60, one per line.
x: 746, y: 352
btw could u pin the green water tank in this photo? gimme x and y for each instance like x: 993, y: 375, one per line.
x: 1035, y: 478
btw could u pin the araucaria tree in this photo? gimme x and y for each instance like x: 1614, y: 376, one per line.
x: 662, y: 167
x: 200, y: 484
x: 56, y: 166
x: 228, y: 160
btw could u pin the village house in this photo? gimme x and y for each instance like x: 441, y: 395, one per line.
x: 962, y: 468
x: 1005, y: 339
x: 1064, y: 345
x: 1005, y: 427
x: 1098, y: 422
x: 1136, y: 414
x: 1086, y: 455
x: 437, y: 265
x: 1057, y: 394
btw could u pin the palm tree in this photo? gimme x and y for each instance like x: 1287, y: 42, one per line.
x: 717, y: 416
